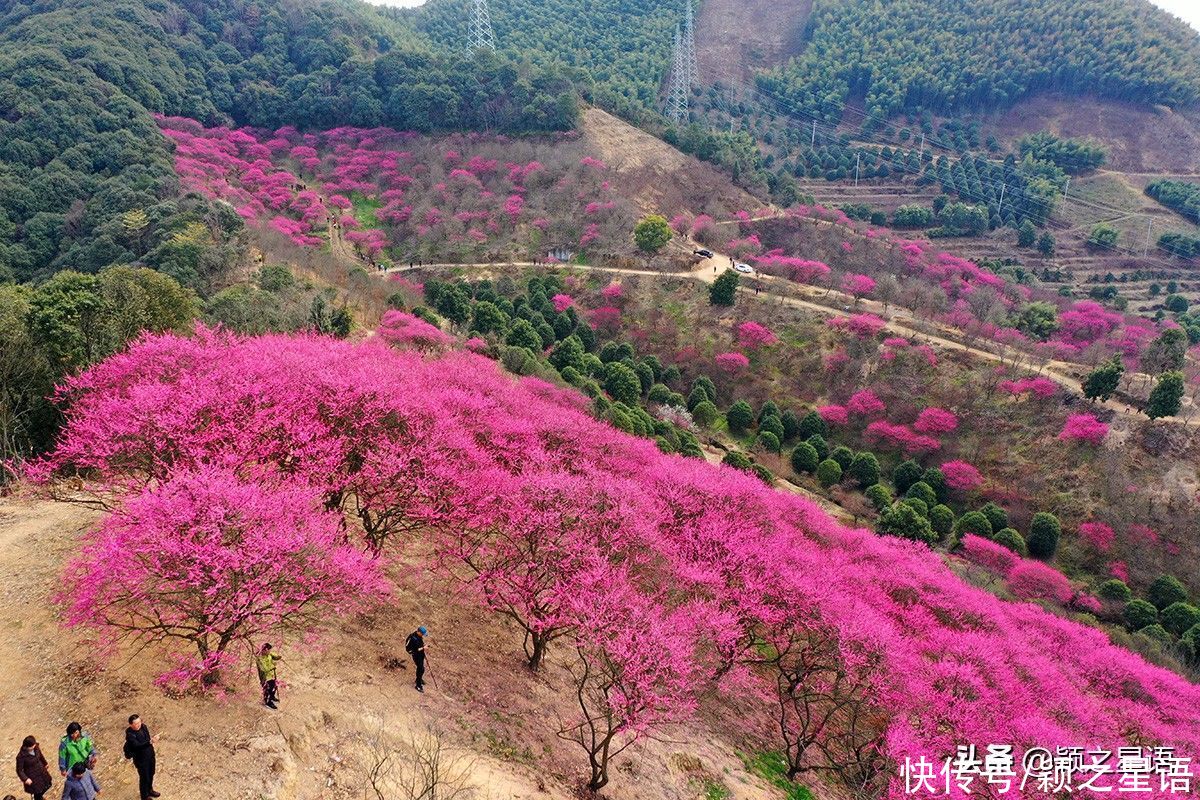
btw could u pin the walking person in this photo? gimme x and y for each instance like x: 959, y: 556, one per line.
x: 139, y: 747
x: 81, y: 784
x: 32, y: 770
x: 414, y: 645
x: 266, y: 675
x: 75, y: 748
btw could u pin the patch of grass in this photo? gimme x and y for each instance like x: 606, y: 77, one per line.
x: 771, y: 767
x: 711, y: 789
x: 364, y: 209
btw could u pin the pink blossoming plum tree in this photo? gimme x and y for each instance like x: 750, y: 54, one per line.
x: 207, y: 560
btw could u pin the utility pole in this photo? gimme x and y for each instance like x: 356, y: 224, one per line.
x: 813, y: 142
x: 856, y: 157
x: 1000, y: 207
x: 922, y: 147
x: 1146, y: 249
x: 678, y: 95
x: 691, y: 72
x: 479, y: 32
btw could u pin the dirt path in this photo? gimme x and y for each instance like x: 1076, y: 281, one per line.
x: 831, y: 302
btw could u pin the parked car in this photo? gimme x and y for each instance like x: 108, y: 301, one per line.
x: 703, y: 253
x: 745, y: 268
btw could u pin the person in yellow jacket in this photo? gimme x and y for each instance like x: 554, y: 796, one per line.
x: 266, y: 675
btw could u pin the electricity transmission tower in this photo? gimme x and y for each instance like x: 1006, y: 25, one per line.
x: 677, y: 97
x: 479, y: 33
x: 689, y: 48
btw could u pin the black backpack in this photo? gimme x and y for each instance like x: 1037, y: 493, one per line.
x: 412, y: 643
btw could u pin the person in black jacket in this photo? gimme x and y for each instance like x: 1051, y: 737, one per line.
x: 414, y: 645
x: 139, y: 746
x: 32, y: 770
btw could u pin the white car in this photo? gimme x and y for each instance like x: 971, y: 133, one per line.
x: 744, y: 268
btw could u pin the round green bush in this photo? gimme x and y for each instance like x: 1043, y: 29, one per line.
x: 659, y: 393
x: 737, y: 461
x: 1166, y: 590
x: 1191, y: 640
x: 771, y: 425
x: 705, y: 413
x: 995, y: 514
x: 1138, y: 614
x: 763, y: 474
x: 812, y: 425
x: 1158, y: 633
x: 1114, y: 589
x: 941, y: 519
x: 1179, y: 617
x: 973, y: 522
x: 923, y: 491
x: 829, y: 472
x: 864, y: 469
x: 739, y: 416
x: 1008, y: 537
x: 769, y: 409
x: 903, y: 520
x: 934, y: 478
x: 843, y: 455
x: 768, y: 441
x: 906, y: 474
x: 918, y: 505
x: 819, y: 443
x: 1044, y: 531
x: 805, y: 458
x: 879, y: 496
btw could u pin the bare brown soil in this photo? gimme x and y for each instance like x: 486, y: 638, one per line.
x: 1138, y: 139
x: 657, y: 176
x: 736, y: 37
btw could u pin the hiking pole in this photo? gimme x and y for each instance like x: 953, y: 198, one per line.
x: 429, y: 672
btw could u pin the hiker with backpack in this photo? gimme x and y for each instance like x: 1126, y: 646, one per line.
x: 139, y: 748
x: 81, y: 784
x: 265, y: 662
x: 415, y: 645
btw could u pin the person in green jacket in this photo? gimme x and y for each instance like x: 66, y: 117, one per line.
x: 266, y: 675
x: 75, y: 748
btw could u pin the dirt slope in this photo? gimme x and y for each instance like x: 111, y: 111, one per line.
x: 736, y: 37
x: 492, y: 713
x: 657, y: 176
x: 1138, y: 139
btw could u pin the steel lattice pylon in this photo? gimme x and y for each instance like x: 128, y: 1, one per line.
x: 479, y: 34
x: 689, y: 48
x: 677, y: 96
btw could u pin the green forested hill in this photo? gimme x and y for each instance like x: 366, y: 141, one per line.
x: 81, y: 79
x: 624, y: 46
x: 906, y: 55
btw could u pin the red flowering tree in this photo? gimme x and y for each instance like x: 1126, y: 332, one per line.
x: 732, y: 363
x: 1083, y: 428
x: 989, y: 555
x: 961, y: 475
x: 751, y: 336
x: 1033, y: 580
x: 865, y: 403
x: 405, y: 330
x: 1098, y: 535
x: 834, y: 415
x: 207, y: 560
x: 859, y: 286
x: 936, y: 421
x: 632, y: 673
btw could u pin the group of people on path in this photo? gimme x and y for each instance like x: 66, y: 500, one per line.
x: 77, y: 756
x: 77, y: 752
